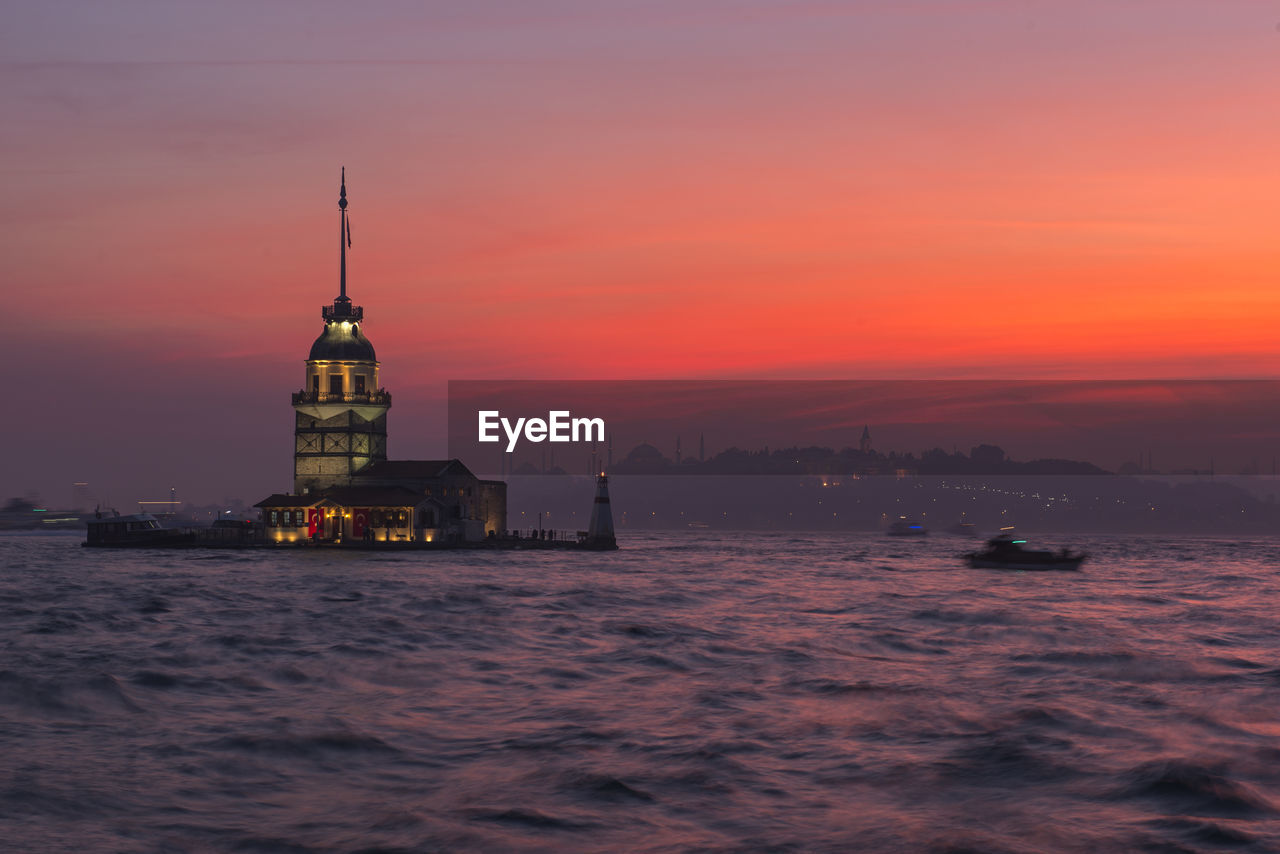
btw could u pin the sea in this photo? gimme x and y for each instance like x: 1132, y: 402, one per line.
x: 695, y: 691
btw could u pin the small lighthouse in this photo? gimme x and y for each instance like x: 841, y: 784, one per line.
x: 600, y: 532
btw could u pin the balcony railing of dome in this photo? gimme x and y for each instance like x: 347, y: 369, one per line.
x: 342, y: 309
x: 379, y: 397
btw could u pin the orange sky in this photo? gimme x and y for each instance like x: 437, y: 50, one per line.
x: 599, y: 190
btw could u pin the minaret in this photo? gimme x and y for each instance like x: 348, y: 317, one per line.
x: 864, y: 444
x: 600, y: 532
x: 341, y: 413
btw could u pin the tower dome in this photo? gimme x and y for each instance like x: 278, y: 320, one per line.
x: 342, y: 341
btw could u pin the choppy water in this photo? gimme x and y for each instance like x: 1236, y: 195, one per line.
x: 688, y: 693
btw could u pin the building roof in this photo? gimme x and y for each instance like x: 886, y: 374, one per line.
x: 371, y: 496
x: 412, y: 469
x: 286, y: 500
x: 349, y: 496
x: 342, y: 341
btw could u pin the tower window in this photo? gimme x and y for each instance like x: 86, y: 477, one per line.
x: 359, y: 383
x: 335, y: 384
x: 315, y: 383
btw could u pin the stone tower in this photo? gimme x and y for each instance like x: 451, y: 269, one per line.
x: 341, y: 412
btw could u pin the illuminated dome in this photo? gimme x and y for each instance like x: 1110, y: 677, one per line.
x: 342, y: 342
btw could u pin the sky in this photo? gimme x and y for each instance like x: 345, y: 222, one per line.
x: 610, y: 190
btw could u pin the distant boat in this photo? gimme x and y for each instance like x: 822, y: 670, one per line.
x: 963, y: 529
x: 1004, y: 552
x: 137, y: 530
x: 904, y: 527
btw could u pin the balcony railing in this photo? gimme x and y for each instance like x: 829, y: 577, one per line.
x: 381, y: 397
x: 342, y: 309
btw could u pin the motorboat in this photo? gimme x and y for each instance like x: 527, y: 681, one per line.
x: 1004, y: 552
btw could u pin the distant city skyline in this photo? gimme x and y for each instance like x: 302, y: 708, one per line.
x: 1184, y: 426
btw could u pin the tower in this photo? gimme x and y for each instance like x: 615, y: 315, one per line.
x: 864, y: 444
x: 341, y: 413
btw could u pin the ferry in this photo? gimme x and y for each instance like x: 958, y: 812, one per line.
x: 904, y: 527
x: 133, y: 531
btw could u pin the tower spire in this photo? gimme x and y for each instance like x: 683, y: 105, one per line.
x: 342, y: 236
x: 342, y: 309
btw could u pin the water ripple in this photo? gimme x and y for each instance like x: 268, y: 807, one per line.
x: 705, y: 692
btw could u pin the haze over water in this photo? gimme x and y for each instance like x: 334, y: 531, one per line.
x: 712, y: 692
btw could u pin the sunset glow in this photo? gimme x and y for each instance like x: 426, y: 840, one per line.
x: 579, y: 190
